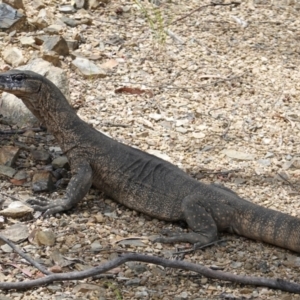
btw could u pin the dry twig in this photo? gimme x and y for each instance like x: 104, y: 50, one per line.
x: 176, y: 264
x: 204, y: 6
x: 25, y: 256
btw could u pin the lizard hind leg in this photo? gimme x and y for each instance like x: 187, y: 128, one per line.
x: 202, y: 224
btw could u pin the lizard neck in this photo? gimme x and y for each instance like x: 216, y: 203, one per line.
x: 51, y: 108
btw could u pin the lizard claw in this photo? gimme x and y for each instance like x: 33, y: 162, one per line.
x: 39, y: 201
x: 48, y: 206
x: 167, y: 232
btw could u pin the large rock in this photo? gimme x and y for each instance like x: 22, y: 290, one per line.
x: 13, y: 56
x: 10, y: 18
x: 13, y: 108
x: 17, y: 4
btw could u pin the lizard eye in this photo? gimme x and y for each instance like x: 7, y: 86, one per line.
x: 18, y: 77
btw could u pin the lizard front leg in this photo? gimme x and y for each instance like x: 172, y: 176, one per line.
x: 77, y: 188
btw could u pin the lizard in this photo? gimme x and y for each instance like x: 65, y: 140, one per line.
x: 141, y: 181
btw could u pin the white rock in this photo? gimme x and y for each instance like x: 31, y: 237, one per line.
x: 198, y: 135
x: 13, y: 56
x: 87, y: 68
x: 155, y: 117
x: 237, y: 154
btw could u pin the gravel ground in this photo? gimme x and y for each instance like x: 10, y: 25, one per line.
x: 221, y: 78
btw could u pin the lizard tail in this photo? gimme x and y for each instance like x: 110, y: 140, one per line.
x: 269, y: 226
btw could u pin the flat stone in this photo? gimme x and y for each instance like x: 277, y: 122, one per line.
x: 7, y: 171
x: 132, y: 242
x: 54, y: 28
x: 79, y: 3
x: 133, y: 282
x: 60, y: 162
x: 7, y: 249
x: 264, y: 162
x: 96, y: 246
x: 41, y: 155
x: 13, y: 56
x: 57, y: 44
x: 136, y: 267
x: 17, y: 209
x: 27, y: 41
x: 45, y: 237
x: 198, y: 135
x: 72, y: 44
x: 2, y: 222
x: 237, y: 154
x: 67, y: 9
x: 73, y: 23
x: 52, y: 57
x: 99, y: 218
x: 44, y: 18
x: 69, y: 22
x: 9, y: 155
x: 42, y: 182
x: 86, y: 287
x: 16, y: 233
x: 181, y: 129
x: 87, y: 68
x: 55, y: 149
x: 38, y: 4
x: 17, y: 4
x: 95, y: 3
x: 10, y: 18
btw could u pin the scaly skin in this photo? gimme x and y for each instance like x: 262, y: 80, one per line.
x: 141, y: 181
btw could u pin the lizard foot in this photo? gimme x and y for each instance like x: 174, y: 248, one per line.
x: 186, y: 237
x: 48, y: 206
x: 169, y: 232
x: 39, y: 201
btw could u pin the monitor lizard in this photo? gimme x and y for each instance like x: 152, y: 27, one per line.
x: 141, y: 181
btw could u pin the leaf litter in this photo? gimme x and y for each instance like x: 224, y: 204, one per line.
x: 223, y: 77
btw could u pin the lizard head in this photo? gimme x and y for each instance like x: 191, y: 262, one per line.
x: 19, y: 83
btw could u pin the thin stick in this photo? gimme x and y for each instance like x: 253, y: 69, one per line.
x: 176, y: 264
x: 25, y: 256
x: 204, y: 6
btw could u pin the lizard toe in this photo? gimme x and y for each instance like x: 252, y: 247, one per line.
x: 54, y: 210
x: 38, y: 202
x: 38, y: 207
x: 169, y: 232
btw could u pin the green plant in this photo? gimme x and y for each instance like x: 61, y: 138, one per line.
x: 155, y: 20
x: 115, y: 289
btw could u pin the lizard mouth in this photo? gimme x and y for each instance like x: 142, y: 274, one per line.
x: 3, y: 87
x: 3, y: 83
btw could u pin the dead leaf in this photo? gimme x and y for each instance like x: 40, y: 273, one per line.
x: 133, y: 91
x: 24, y: 271
x: 18, y: 181
x: 56, y: 269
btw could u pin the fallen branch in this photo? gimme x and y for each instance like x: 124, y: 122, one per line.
x: 184, y: 265
x: 235, y: 3
x: 25, y: 256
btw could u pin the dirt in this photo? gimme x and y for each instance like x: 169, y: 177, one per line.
x: 216, y: 78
